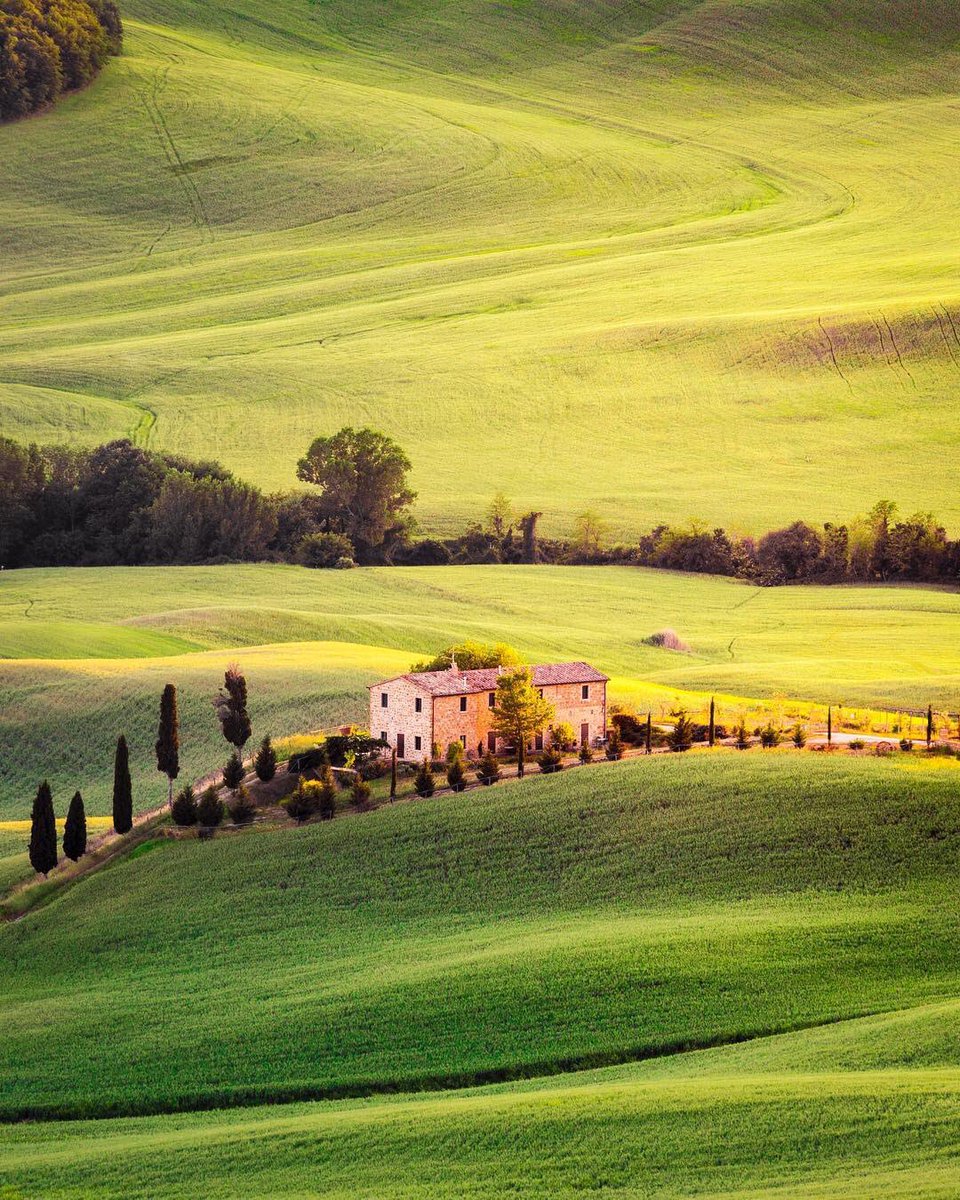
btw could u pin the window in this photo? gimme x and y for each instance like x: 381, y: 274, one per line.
x: 492, y: 700
x: 384, y: 700
x: 463, y: 740
x: 463, y: 704
x: 585, y: 692
x: 418, y: 743
x: 540, y: 690
x: 418, y: 704
x: 383, y: 735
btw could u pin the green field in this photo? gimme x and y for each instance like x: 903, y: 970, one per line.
x: 805, y: 904
x: 579, y: 250
x: 84, y: 654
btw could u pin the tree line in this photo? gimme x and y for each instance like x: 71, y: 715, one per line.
x: 48, y: 47
x: 120, y: 504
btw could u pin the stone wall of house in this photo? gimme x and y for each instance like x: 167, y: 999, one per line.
x: 472, y: 726
x: 400, y: 717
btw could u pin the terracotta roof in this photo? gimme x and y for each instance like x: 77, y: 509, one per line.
x: 460, y: 683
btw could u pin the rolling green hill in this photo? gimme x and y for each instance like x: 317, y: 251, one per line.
x: 84, y: 654
x: 524, y: 238
x: 601, y: 916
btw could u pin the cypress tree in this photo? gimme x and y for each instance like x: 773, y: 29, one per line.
x: 168, y: 738
x: 648, y: 743
x: 265, y: 763
x: 122, y: 790
x: 829, y: 725
x: 75, y: 830
x: 393, y: 774
x: 43, y: 832
x: 712, y: 731
x: 929, y: 726
x: 231, y: 706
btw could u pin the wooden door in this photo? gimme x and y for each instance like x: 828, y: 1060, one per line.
x: 492, y: 743
x: 585, y: 733
x: 400, y: 745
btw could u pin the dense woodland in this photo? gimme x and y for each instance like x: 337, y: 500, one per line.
x: 48, y: 47
x: 120, y: 504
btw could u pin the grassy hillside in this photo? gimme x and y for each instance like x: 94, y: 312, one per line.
x: 87, y: 652
x: 523, y: 238
x: 808, y: 1115
x: 604, y: 915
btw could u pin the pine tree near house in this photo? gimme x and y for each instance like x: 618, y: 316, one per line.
x: 122, y: 788
x: 519, y: 711
x: 43, y: 832
x: 168, y: 738
x: 75, y: 829
x: 265, y: 764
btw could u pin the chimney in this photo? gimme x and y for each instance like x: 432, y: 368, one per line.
x: 455, y: 670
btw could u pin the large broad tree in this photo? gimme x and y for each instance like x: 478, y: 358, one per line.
x: 168, y: 738
x: 231, y: 707
x: 43, y: 831
x: 520, y: 712
x: 362, y: 475
x: 122, y: 788
x: 75, y: 829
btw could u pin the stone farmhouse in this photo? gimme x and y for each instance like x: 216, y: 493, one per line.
x: 417, y: 711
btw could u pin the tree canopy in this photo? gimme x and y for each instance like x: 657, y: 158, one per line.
x: 364, y: 495
x: 472, y: 656
x: 51, y: 46
x: 519, y: 710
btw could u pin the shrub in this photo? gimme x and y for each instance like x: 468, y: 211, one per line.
x: 210, y: 808
x: 906, y: 745
x: 585, y: 754
x: 667, y: 639
x: 857, y: 744
x: 233, y: 772
x: 488, y: 772
x: 184, y: 807
x: 324, y: 550
x: 265, y: 764
x: 456, y: 775
x: 614, y: 746
x: 455, y: 752
x: 701, y: 733
x: 359, y: 792
x: 632, y: 731
x: 742, y: 738
x: 327, y: 794
x: 303, y: 801
x: 345, y: 563
x: 241, y: 808
x: 798, y: 735
x: 562, y: 736
x: 680, y: 738
x: 550, y: 760
x: 770, y: 736
x: 424, y: 783
x: 374, y: 768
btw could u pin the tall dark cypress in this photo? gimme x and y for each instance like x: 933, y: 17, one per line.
x: 122, y: 790
x: 231, y: 706
x: 829, y: 724
x: 649, y: 739
x: 43, y: 831
x: 168, y: 738
x: 75, y: 829
x: 929, y: 726
x: 712, y: 732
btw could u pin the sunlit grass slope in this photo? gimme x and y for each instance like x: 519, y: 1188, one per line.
x: 524, y: 239
x: 603, y: 915
x: 85, y: 653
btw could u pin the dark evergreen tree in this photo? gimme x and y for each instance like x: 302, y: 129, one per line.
x: 648, y: 740
x: 424, y: 783
x: 184, y: 808
x: 168, y: 738
x: 712, y: 728
x: 231, y: 705
x: 122, y: 788
x: 210, y: 808
x: 265, y: 764
x: 75, y: 829
x: 393, y: 774
x: 929, y: 726
x: 456, y: 776
x: 829, y: 725
x: 233, y: 772
x: 681, y: 736
x: 43, y: 832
